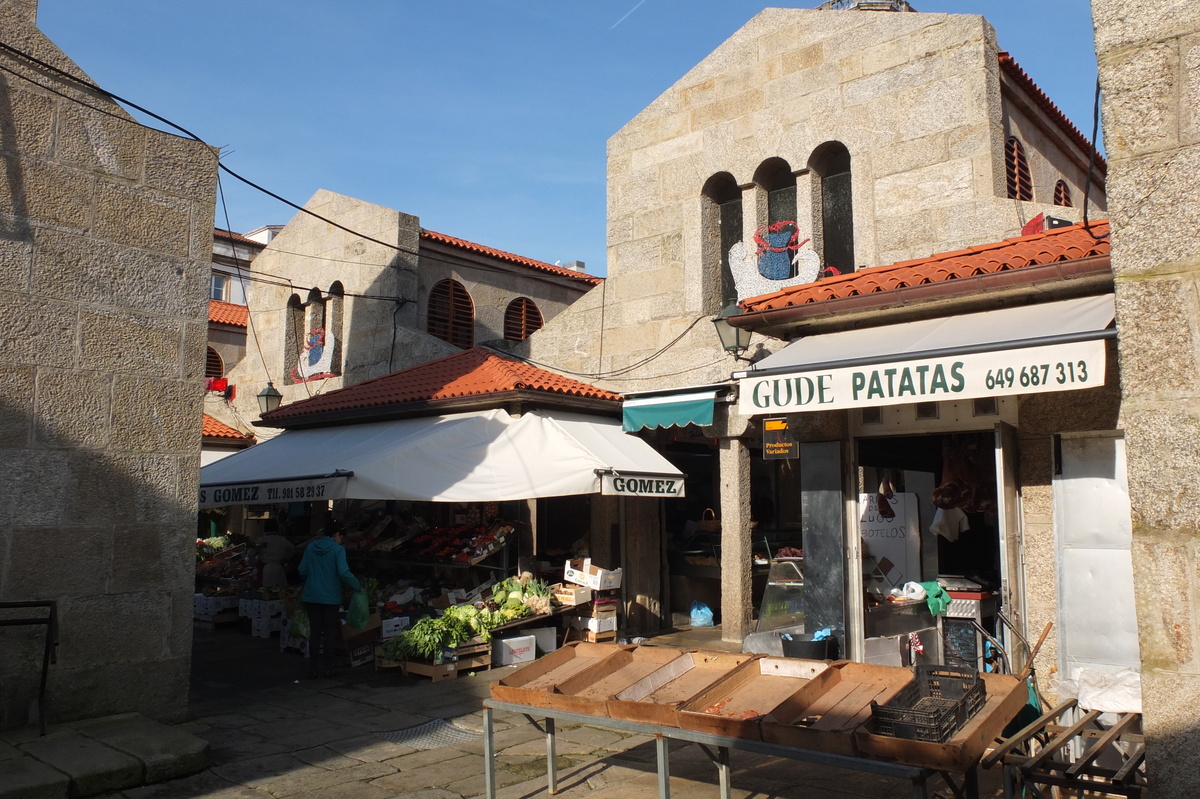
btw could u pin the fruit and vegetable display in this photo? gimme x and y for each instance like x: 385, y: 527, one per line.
x: 512, y: 599
x: 459, y: 545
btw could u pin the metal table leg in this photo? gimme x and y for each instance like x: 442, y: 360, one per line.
x: 489, y: 756
x: 664, y: 767
x: 723, y: 772
x: 551, y: 760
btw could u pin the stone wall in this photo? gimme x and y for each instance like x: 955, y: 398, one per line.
x: 1149, y: 55
x: 310, y: 253
x: 105, y: 246
x: 915, y: 98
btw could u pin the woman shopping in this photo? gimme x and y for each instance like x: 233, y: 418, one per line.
x: 323, y: 569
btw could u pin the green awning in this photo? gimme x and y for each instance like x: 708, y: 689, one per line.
x: 674, y: 410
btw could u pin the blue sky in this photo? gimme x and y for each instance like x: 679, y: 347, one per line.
x: 485, y: 118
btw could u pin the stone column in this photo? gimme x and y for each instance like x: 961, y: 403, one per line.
x: 734, y: 461
x: 1149, y: 59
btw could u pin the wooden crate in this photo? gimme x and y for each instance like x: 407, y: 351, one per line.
x: 588, y: 691
x: 655, y: 699
x: 382, y: 662
x: 824, y: 714
x: 1006, y: 695
x: 435, y: 671
x: 733, y: 706
x: 533, y: 684
x: 609, y: 636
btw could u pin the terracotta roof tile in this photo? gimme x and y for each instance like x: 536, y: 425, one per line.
x: 226, y: 313
x: 1014, y: 71
x: 215, y: 429
x: 473, y: 373
x: 508, y: 256
x: 229, y: 235
x: 1052, y: 246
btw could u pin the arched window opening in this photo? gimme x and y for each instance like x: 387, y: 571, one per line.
x: 521, y: 318
x: 774, y: 176
x: 213, y: 365
x: 722, y: 226
x: 833, y: 207
x: 451, y: 314
x: 1016, y: 167
x: 1062, y: 194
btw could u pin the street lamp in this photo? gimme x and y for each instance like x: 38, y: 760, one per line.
x: 735, y: 340
x: 269, y: 398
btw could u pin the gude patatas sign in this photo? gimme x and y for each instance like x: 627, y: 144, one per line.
x: 1031, y: 370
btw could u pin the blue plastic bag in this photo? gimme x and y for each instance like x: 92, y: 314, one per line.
x: 702, y: 615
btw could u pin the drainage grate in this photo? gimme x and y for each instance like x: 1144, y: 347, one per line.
x: 432, y: 735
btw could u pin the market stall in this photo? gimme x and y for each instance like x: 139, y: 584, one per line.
x: 440, y: 508
x: 879, y: 719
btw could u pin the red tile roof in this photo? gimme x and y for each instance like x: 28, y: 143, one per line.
x: 215, y: 429
x: 1051, y: 246
x: 229, y: 235
x: 508, y: 256
x: 475, y: 372
x: 1014, y: 71
x: 226, y: 313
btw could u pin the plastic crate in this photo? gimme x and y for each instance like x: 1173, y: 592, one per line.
x: 935, y: 705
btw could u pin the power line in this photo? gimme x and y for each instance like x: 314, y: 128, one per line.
x: 110, y: 95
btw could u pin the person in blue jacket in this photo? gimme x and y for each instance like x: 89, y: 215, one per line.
x: 323, y: 569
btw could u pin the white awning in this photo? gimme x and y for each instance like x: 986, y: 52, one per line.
x: 1055, y: 346
x: 467, y: 457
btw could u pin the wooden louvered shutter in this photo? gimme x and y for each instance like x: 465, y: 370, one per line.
x: 213, y: 365
x: 1020, y: 183
x: 1062, y: 194
x: 521, y: 318
x: 451, y: 315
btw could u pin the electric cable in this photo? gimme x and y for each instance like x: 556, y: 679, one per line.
x: 1087, y: 185
x: 237, y: 263
x: 126, y: 119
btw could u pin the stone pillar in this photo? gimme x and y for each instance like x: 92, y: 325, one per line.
x: 1149, y: 60
x: 734, y: 461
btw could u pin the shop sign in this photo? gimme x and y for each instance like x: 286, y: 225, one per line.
x: 1030, y: 370
x: 641, y: 486
x: 778, y: 443
x: 271, y: 491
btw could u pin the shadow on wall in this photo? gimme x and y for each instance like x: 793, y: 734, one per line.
x: 109, y: 537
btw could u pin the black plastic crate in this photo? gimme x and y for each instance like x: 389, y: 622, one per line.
x: 935, y: 705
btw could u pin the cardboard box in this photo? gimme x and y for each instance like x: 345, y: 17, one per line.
x: 571, y: 594
x: 507, y: 651
x: 265, y: 608
x: 546, y: 638
x: 358, y: 636
x: 390, y: 628
x: 437, y: 672
x: 355, y: 655
x: 599, y: 610
x: 582, y: 572
x: 262, y: 628
x: 594, y: 625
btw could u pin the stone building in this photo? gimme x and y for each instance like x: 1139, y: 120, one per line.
x: 916, y: 130
x: 1149, y: 56
x: 105, y: 253
x: 330, y: 308
x: 811, y: 144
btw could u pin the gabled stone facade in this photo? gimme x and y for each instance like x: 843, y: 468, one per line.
x: 922, y: 106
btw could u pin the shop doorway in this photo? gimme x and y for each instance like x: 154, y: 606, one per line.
x: 938, y: 506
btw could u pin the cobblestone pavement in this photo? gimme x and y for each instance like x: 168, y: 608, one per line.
x: 274, y: 733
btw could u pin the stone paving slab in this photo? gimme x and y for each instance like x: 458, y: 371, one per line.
x: 165, y: 752
x: 26, y: 778
x: 91, y: 766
